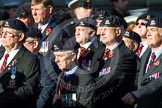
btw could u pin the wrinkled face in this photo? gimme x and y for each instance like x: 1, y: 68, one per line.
x: 154, y: 36
x: 82, y: 34
x: 39, y: 13
x: 129, y: 43
x: 140, y: 28
x: 81, y: 12
x: 9, y: 38
x: 122, y: 4
x: 63, y: 60
x: 108, y: 35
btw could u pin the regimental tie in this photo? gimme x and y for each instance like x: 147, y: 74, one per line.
x: 4, y: 64
x: 60, y: 88
x: 140, y: 50
x: 82, y: 49
x: 153, y: 57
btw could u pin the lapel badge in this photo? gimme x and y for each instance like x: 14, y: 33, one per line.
x: 6, y: 24
x: 107, y: 22
x: 157, y: 63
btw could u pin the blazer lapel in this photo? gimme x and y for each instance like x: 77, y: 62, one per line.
x: 153, y: 67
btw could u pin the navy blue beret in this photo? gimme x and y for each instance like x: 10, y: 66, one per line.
x: 145, y: 16
x: 15, y: 24
x: 34, y: 32
x: 22, y: 11
x: 112, y: 21
x: 86, y: 22
x: 156, y: 22
x: 66, y: 45
x: 80, y: 3
x: 132, y: 35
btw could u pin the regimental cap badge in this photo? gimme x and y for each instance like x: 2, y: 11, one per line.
x: 6, y: 24
x: 152, y: 22
x: 127, y: 33
x: 56, y: 47
x: 88, y: 1
x: 107, y: 22
x: 81, y: 23
x: 148, y: 17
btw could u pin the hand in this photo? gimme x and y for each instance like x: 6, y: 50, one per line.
x: 128, y: 99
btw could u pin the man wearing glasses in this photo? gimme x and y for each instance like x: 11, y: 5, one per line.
x: 18, y: 68
x: 141, y: 29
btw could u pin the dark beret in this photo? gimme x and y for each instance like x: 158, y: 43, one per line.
x: 15, y: 24
x: 112, y: 21
x: 34, y: 32
x: 22, y: 11
x: 156, y: 22
x: 100, y: 15
x: 132, y: 35
x: 86, y: 22
x: 146, y: 17
x: 80, y: 3
x: 66, y: 45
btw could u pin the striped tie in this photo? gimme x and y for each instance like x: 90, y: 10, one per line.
x: 4, y: 64
x: 82, y: 49
x: 153, y: 56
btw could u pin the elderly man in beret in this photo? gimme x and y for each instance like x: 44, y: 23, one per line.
x: 86, y: 37
x: 148, y: 94
x: 117, y: 65
x: 18, y: 68
x: 75, y: 87
x: 141, y: 29
x: 23, y: 13
x: 132, y: 40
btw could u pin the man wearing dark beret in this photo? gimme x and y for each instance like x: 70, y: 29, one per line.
x: 148, y: 94
x: 117, y: 65
x: 23, y: 13
x: 86, y: 37
x: 72, y: 82
x: 18, y: 68
x: 141, y: 29
x: 132, y: 40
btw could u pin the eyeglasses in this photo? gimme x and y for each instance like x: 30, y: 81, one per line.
x: 143, y: 24
x: 7, y: 33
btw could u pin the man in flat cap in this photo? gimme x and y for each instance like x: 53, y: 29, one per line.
x: 148, y: 94
x: 18, y: 68
x: 117, y: 65
x: 141, y: 29
x: 71, y: 90
x: 23, y: 13
x: 85, y: 35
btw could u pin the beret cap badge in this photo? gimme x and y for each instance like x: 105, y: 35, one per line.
x: 148, y: 17
x: 56, y: 47
x: 6, y: 24
x: 152, y: 22
x: 82, y: 24
x: 127, y: 34
x: 107, y: 22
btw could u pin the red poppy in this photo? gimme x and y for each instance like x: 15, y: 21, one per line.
x: 48, y: 31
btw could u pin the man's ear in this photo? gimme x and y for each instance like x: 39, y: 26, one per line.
x: 50, y: 9
x: 135, y: 46
x: 21, y: 37
x: 118, y: 31
x: 74, y: 56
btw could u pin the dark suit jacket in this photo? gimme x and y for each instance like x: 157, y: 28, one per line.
x: 149, y: 93
x: 80, y: 80
x: 118, y: 79
x: 20, y: 91
x: 85, y: 60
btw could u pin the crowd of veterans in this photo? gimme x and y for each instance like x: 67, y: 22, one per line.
x: 80, y: 60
